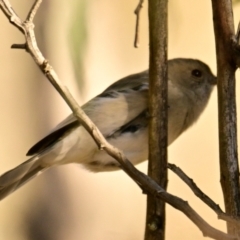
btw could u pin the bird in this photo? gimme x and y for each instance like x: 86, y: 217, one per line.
x: 121, y: 114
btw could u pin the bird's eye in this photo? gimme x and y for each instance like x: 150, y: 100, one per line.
x: 196, y: 73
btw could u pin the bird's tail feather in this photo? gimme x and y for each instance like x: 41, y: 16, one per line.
x: 15, y: 178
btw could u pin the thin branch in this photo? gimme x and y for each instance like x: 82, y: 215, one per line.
x: 11, y: 15
x: 200, y: 194
x: 137, y: 12
x: 207, y: 231
x: 145, y: 182
x: 19, y: 46
x: 33, y: 10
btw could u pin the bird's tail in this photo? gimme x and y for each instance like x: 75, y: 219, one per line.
x: 15, y: 178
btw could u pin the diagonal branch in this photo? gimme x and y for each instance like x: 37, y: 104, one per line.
x: 145, y: 182
x: 200, y: 194
x: 11, y: 15
x: 33, y: 10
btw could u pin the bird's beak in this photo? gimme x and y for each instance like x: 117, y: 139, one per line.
x: 212, y: 80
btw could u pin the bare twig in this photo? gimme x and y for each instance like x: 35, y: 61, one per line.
x: 33, y: 10
x: 137, y: 12
x: 226, y: 66
x: 145, y: 182
x: 19, y: 46
x: 199, y: 193
x: 11, y: 15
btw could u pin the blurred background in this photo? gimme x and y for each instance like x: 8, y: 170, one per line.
x: 90, y: 45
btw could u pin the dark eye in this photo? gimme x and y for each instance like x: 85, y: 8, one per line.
x: 196, y: 73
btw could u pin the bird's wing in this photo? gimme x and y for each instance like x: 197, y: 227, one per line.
x: 114, y: 108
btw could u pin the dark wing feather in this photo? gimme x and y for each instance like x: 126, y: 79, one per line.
x: 136, y: 82
x: 52, y: 138
x: 138, y: 123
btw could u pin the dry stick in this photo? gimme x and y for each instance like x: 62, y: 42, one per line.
x: 137, y: 12
x: 199, y: 193
x: 146, y: 183
x: 226, y: 66
x: 19, y: 46
x: 33, y: 10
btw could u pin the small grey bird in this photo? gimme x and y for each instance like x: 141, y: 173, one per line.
x: 121, y: 114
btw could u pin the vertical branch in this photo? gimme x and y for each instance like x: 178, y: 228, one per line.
x: 226, y: 66
x: 157, y: 168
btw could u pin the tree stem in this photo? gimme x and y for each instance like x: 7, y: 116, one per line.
x: 157, y: 168
x: 226, y: 66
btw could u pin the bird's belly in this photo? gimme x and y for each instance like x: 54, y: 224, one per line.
x: 133, y: 145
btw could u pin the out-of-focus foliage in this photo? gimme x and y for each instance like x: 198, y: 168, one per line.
x: 77, y: 38
x: 236, y: 1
